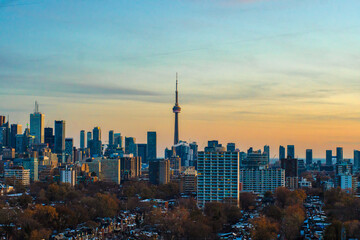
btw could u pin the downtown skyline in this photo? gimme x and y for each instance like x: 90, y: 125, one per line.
x: 240, y: 79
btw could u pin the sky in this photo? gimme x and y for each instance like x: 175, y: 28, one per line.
x: 273, y: 72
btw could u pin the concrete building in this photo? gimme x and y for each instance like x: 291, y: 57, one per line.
x: 329, y: 158
x: 309, y: 157
x: 255, y: 160
x: 19, y: 174
x: 142, y: 152
x: 291, y: 151
x: 339, y: 155
x: 290, y: 165
x: 37, y: 125
x: 151, y: 145
x: 218, y: 176
x: 356, y: 160
x: 59, y: 136
x: 88, y: 139
x: 111, y: 138
x: 82, y: 139
x: 111, y: 170
x: 15, y: 129
x: 68, y: 175
x: 130, y: 167
x: 159, y: 171
x: 190, y: 180
x: 69, y: 145
x: 49, y: 138
x: 282, y: 152
x: 130, y: 146
x: 230, y: 147
x: 261, y: 181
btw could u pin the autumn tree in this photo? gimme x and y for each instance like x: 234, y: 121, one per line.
x: 264, y: 229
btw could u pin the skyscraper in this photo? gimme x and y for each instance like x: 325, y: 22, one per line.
x: 59, y: 136
x: 159, y: 171
x: 89, y: 138
x: 2, y: 120
x: 356, y: 160
x: 151, y: 146
x: 291, y: 151
x: 49, y: 137
x: 329, y: 157
x: 281, y: 152
x: 267, y: 152
x: 176, y: 110
x: 96, y: 144
x: 97, y: 134
x: 15, y: 129
x: 69, y: 144
x: 111, y: 137
x: 230, y: 147
x: 142, y: 152
x: 118, y: 140
x: 339, y: 155
x: 309, y: 156
x: 82, y: 139
x: 130, y: 146
x: 37, y: 125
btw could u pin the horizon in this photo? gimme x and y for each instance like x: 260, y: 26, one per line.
x: 250, y: 72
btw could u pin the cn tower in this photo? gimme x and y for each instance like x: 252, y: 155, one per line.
x: 176, y: 110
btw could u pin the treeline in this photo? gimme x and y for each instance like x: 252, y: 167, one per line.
x: 53, y: 206
x: 186, y: 221
x: 343, y: 210
x: 283, y: 215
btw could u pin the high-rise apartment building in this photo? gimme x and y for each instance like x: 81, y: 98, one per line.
x: 49, y: 137
x: 267, y: 152
x: 151, y: 145
x: 95, y: 143
x: 118, y: 140
x: 281, y: 152
x: 230, y: 147
x: 309, y: 157
x: 255, y: 160
x: 130, y: 146
x: 142, y: 152
x: 15, y: 129
x: 37, y: 125
x: 291, y: 151
x: 339, y: 155
x: 82, y: 139
x: 261, y: 181
x: 218, y: 176
x: 68, y: 175
x: 20, y: 175
x: 111, y: 138
x: 329, y: 158
x: 88, y: 139
x: 111, y: 170
x: 59, y: 136
x: 159, y: 171
x: 69, y: 145
x: 357, y: 160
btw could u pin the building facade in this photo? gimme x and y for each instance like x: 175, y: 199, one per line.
x: 218, y: 177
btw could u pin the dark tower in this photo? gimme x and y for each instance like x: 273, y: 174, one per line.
x: 176, y: 110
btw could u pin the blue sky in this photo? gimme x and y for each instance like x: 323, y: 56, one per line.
x: 252, y: 72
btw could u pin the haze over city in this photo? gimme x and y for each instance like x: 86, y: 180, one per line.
x: 250, y: 72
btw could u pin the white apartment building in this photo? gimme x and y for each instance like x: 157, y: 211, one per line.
x: 263, y: 180
x: 218, y: 177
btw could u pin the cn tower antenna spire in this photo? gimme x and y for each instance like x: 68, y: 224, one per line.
x: 176, y: 111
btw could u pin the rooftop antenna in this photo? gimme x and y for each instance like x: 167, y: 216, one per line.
x: 36, y: 107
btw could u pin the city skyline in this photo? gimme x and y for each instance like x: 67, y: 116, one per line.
x: 242, y: 80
